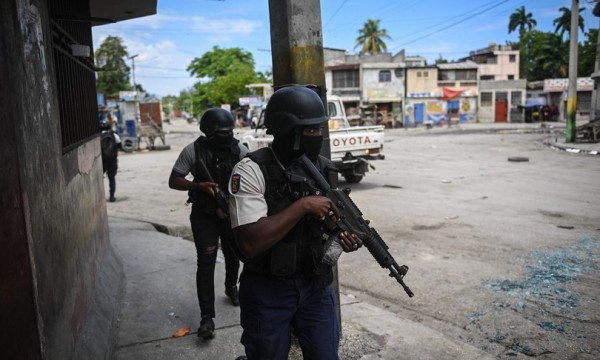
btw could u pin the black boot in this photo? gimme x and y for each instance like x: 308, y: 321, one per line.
x: 207, y: 328
x: 232, y: 294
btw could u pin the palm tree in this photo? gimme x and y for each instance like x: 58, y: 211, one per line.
x: 370, y: 38
x: 524, y: 22
x: 521, y: 20
x: 554, y: 56
x: 563, y: 22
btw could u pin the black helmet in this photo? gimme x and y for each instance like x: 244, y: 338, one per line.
x: 216, y: 119
x: 104, y: 125
x: 291, y: 107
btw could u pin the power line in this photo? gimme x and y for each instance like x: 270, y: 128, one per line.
x: 160, y: 68
x: 165, y: 77
x: 452, y: 24
x: 334, y: 13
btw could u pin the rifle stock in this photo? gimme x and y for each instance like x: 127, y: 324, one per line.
x: 352, y: 221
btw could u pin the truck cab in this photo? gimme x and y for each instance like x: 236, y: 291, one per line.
x: 352, y: 147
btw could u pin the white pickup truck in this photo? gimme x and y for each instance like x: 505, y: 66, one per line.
x: 351, y: 146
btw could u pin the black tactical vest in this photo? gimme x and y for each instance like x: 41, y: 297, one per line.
x: 219, y: 165
x: 299, y: 253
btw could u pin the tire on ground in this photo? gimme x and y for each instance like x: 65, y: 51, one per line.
x: 129, y: 144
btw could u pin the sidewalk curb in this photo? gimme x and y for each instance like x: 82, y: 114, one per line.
x: 569, y: 149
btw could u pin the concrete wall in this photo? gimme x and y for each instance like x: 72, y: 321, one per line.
x: 487, y: 114
x: 375, y: 91
x: 56, y: 211
x: 503, y: 67
x: 421, y: 84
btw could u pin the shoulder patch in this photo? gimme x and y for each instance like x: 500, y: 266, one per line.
x: 235, y: 183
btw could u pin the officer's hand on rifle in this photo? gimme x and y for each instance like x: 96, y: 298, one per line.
x: 319, y: 207
x: 323, y: 208
x: 349, y: 242
x: 209, y: 187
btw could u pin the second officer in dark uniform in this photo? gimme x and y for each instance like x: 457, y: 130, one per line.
x: 218, y: 151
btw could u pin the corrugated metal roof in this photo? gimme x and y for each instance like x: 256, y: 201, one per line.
x: 459, y: 65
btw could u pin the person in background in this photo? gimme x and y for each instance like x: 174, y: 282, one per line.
x: 279, y: 226
x: 218, y: 151
x: 110, y: 143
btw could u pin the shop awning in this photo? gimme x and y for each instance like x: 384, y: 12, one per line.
x: 450, y: 93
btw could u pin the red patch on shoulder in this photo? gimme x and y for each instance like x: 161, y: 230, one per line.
x: 235, y: 183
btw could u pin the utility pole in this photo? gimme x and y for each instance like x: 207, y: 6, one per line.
x: 595, y: 111
x: 133, y: 70
x: 297, y: 48
x: 297, y: 53
x: 572, y: 90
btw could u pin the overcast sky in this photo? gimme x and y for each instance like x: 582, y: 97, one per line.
x: 167, y: 42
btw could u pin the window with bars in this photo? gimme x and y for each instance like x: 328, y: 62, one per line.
x: 515, y: 98
x: 385, y: 76
x: 75, y: 75
x: 345, y: 79
x: 466, y: 75
x: 584, y: 101
x: 486, y: 99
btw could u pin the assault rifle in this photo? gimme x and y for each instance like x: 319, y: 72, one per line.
x: 222, y: 198
x: 351, y: 221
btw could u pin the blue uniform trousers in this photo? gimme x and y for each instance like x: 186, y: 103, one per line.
x: 271, y: 307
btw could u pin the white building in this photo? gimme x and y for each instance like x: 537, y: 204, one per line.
x: 496, y: 62
x: 361, y: 80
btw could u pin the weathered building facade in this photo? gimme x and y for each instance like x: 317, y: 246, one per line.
x: 501, y: 100
x: 54, y: 243
x: 362, y: 80
x: 496, y: 62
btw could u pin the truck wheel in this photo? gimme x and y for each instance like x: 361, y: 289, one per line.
x: 353, y: 179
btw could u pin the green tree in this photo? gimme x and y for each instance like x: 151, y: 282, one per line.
x: 521, y: 20
x: 587, y: 54
x: 370, y: 38
x: 547, y: 55
x: 113, y: 75
x: 441, y: 60
x: 264, y: 76
x: 139, y: 87
x: 524, y: 22
x: 554, y: 56
x: 563, y: 22
x: 166, y: 103
x: 223, y: 74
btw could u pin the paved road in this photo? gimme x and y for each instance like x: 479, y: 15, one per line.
x: 503, y: 255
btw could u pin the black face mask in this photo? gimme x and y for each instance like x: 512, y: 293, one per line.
x: 292, y: 145
x: 220, y: 141
x: 311, y: 146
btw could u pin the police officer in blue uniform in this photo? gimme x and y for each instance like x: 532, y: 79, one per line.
x: 280, y: 225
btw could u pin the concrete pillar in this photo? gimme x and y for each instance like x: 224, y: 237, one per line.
x: 297, y: 51
x: 595, y: 109
x: 297, y: 48
x: 572, y: 92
